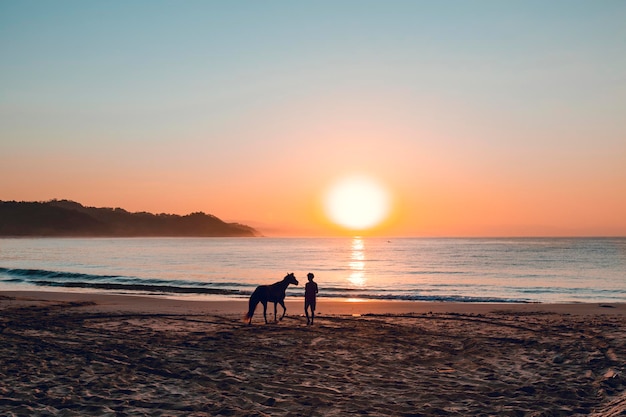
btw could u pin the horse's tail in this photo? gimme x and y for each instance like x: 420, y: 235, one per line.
x: 254, y: 300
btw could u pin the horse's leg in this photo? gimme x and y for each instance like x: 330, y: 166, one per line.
x: 275, y: 315
x: 264, y: 310
x: 282, y: 303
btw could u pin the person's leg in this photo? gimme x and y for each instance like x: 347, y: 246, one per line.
x: 306, y: 311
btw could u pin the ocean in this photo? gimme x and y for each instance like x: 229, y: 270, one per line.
x: 509, y: 270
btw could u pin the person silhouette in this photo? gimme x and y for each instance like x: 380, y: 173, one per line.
x: 310, y: 297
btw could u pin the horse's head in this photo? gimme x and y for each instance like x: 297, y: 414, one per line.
x: 291, y: 279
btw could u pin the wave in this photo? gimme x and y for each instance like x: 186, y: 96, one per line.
x: 442, y: 298
x: 28, y: 274
x: 44, y: 278
x: 141, y: 287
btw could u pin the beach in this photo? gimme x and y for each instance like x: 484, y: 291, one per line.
x: 75, y: 354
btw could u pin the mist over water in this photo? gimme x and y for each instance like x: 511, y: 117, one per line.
x: 469, y: 270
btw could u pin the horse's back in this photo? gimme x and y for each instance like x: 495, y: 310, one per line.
x: 272, y: 293
x: 276, y: 293
x: 261, y: 291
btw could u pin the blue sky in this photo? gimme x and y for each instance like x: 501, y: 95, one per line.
x: 209, y: 98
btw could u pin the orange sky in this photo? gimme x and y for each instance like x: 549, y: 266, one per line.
x: 506, y: 121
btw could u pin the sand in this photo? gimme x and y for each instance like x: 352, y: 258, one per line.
x: 74, y: 354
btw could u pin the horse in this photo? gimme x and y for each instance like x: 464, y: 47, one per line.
x: 274, y: 293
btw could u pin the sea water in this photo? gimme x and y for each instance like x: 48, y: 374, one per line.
x: 466, y: 270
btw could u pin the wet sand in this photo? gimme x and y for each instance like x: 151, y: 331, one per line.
x: 74, y: 354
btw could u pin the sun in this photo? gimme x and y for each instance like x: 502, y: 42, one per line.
x: 357, y: 202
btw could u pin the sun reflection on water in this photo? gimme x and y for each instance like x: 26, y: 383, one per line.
x: 357, y: 263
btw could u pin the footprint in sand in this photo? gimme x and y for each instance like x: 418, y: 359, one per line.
x: 317, y: 340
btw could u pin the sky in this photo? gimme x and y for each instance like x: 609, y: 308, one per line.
x: 480, y: 118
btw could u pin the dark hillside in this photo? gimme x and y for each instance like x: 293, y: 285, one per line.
x: 68, y: 218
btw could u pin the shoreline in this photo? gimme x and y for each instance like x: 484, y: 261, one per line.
x: 164, y: 304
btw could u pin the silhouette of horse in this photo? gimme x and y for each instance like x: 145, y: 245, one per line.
x: 274, y: 293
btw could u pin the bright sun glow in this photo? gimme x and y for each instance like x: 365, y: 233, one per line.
x: 357, y: 203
